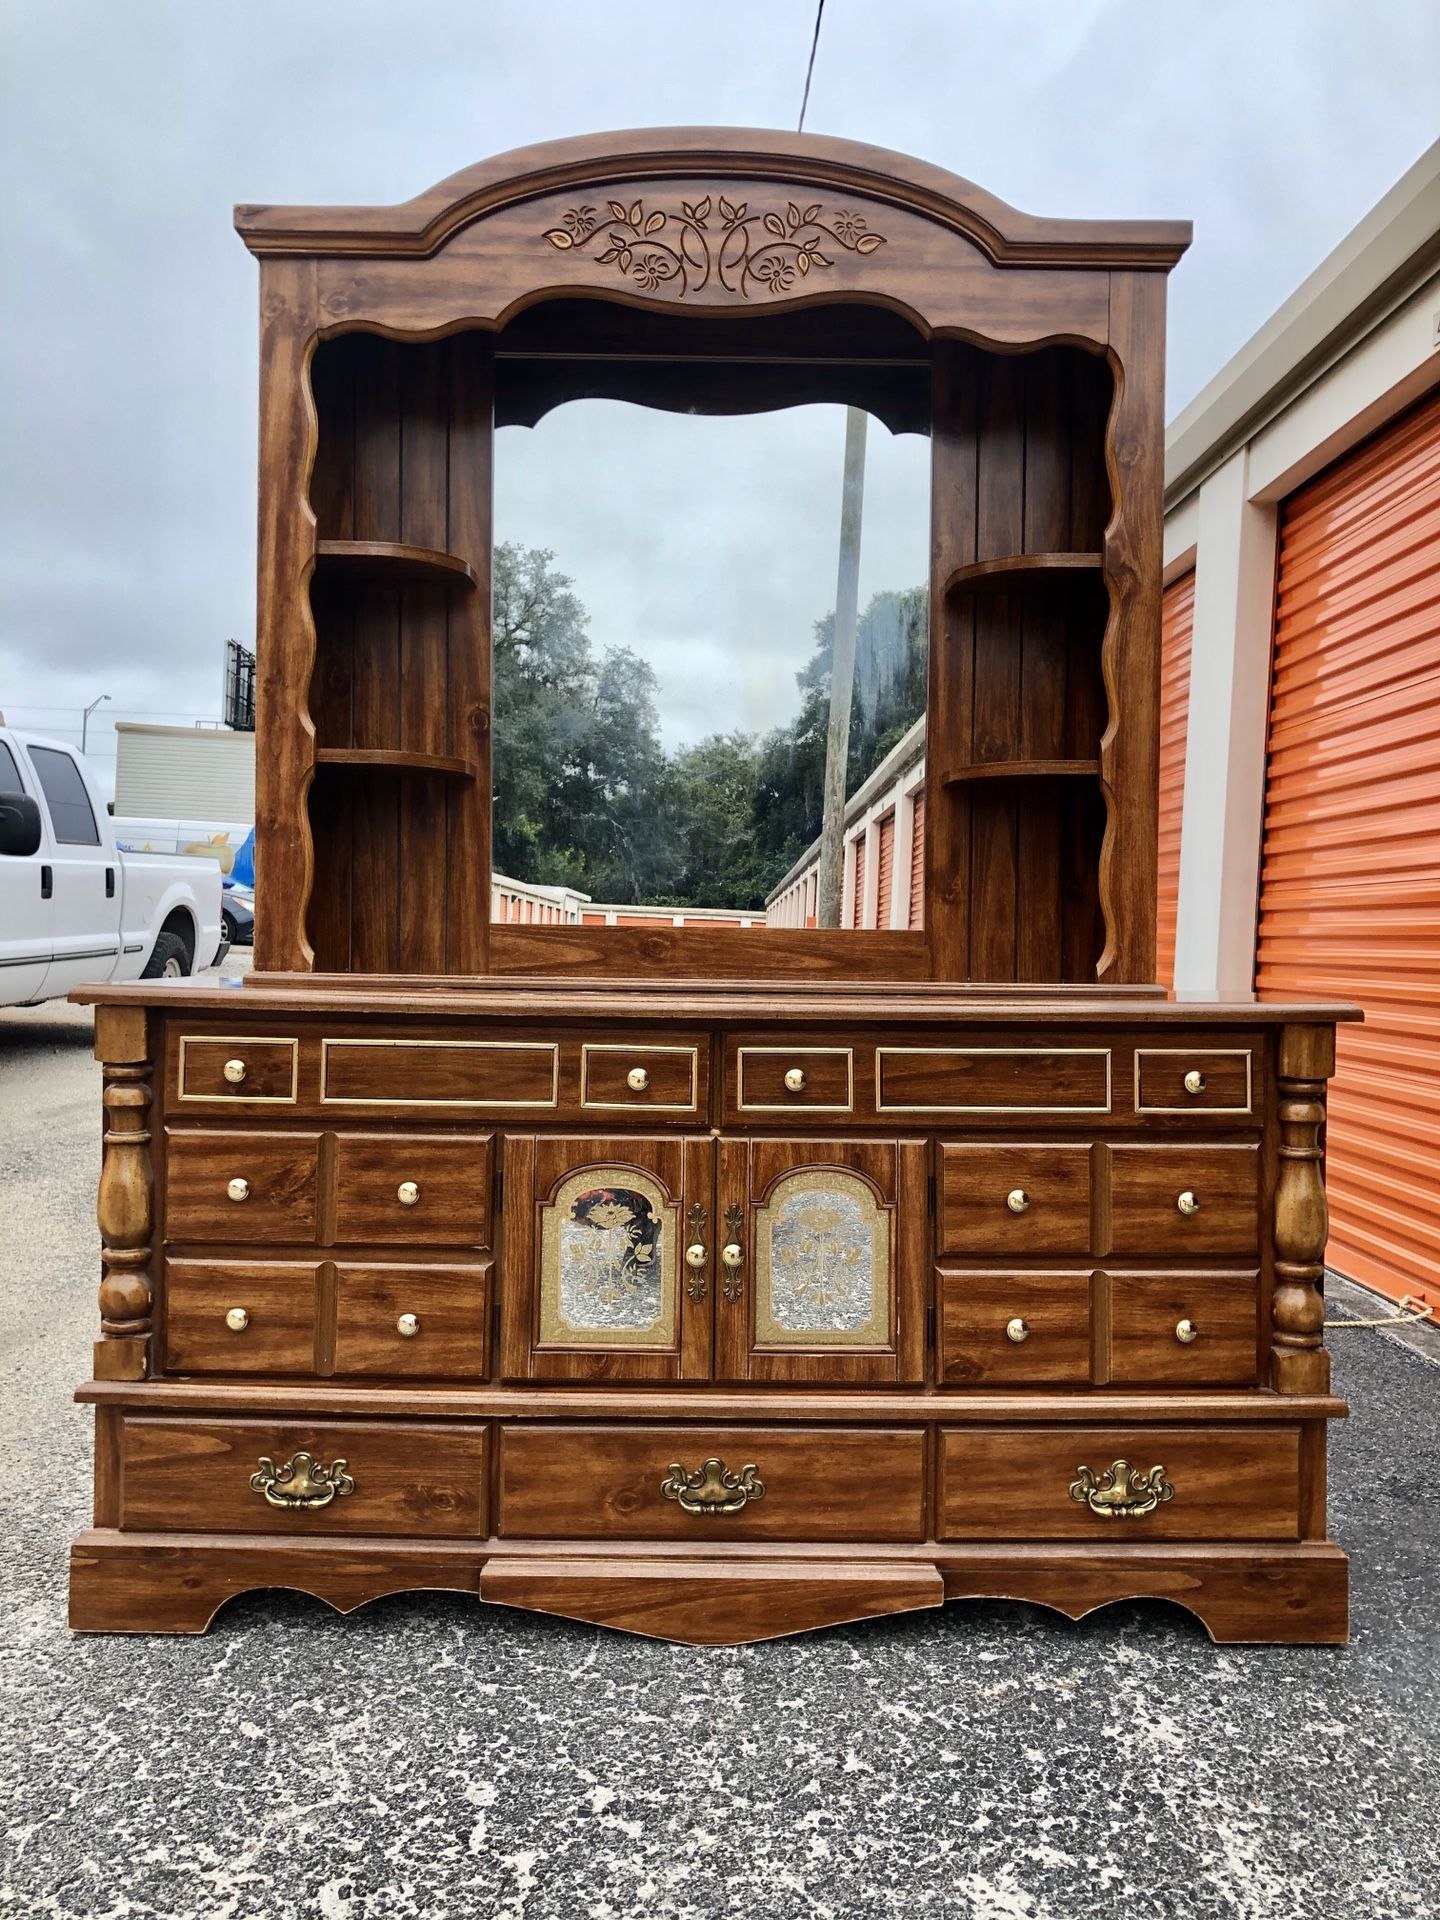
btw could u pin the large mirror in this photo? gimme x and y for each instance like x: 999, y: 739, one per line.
x: 665, y: 629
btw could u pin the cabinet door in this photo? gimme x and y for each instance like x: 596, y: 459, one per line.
x: 597, y: 1282
x: 821, y: 1275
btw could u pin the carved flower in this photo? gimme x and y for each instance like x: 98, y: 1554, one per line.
x: 652, y: 268
x: 580, y: 221
x: 775, y: 273
x: 848, y: 228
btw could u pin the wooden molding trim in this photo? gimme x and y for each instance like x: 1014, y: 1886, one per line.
x: 420, y: 227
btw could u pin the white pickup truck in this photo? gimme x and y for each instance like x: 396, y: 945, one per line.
x: 73, y: 908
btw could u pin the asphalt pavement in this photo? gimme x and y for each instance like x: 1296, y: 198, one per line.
x: 430, y: 1757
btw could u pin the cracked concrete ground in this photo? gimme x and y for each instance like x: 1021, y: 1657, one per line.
x: 430, y: 1757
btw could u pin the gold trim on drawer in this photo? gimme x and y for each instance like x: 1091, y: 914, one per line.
x: 996, y: 1053
x: 329, y: 1099
x: 797, y: 1104
x: 1198, y: 1053
x: 240, y: 1041
x: 640, y: 1054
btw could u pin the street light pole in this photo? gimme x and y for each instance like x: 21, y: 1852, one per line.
x: 85, y: 722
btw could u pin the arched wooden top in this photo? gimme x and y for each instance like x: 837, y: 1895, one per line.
x: 418, y: 228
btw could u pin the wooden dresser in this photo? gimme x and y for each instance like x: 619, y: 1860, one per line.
x: 710, y: 1281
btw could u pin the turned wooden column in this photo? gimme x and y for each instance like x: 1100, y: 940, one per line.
x: 126, y: 1205
x: 1299, y: 1362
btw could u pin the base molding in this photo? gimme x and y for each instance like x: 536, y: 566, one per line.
x: 1292, y: 1594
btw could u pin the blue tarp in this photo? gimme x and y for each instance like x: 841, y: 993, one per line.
x: 242, y: 867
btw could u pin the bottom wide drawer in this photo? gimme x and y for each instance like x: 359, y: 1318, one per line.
x: 711, y: 1483
x: 358, y: 1477
x: 1112, y: 1484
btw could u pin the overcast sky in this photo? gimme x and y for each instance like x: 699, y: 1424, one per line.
x: 129, y: 127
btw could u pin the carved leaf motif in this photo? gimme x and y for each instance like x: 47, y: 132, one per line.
x: 654, y: 223
x: 727, y: 212
x: 558, y: 237
x: 804, y: 263
x: 792, y: 213
x: 811, y: 213
x: 634, y: 214
x: 774, y: 224
x: 868, y: 242
x: 617, y: 210
x: 703, y: 208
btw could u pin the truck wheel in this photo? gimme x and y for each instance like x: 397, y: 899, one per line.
x: 231, y: 927
x: 170, y: 959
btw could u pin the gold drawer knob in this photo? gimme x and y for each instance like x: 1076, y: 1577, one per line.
x: 238, y: 1189
x: 237, y: 1319
x: 1186, y: 1331
x: 1194, y: 1081
x: 407, y: 1193
x: 1017, y: 1331
x: 637, y: 1079
x: 407, y: 1326
x: 234, y: 1071
x: 1188, y: 1204
x: 794, y: 1079
x: 712, y: 1488
x: 695, y: 1257
x: 1018, y: 1200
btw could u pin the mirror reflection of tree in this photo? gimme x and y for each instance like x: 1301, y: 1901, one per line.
x: 585, y: 794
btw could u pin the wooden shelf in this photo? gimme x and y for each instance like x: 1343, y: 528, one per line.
x: 394, y: 760
x: 1015, y: 569
x: 1022, y: 770
x: 390, y: 561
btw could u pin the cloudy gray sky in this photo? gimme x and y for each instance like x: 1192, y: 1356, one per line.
x: 128, y: 128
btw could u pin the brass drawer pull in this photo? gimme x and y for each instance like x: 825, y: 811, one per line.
x: 1186, y: 1331
x: 407, y: 1326
x: 732, y: 1254
x: 637, y: 1079
x: 1194, y: 1081
x: 302, y: 1482
x: 234, y: 1071
x: 1122, y: 1492
x: 712, y: 1488
x: 697, y: 1253
x: 407, y: 1193
x: 1017, y: 1330
x: 1018, y: 1200
x: 237, y: 1319
x: 1188, y: 1203
x: 794, y: 1079
x: 238, y: 1189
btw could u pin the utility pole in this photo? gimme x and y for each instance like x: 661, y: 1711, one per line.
x: 85, y: 722
x: 842, y: 673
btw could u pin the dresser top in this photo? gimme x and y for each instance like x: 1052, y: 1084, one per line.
x: 709, y: 1001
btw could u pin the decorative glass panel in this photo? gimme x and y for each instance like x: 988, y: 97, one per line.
x: 822, y: 1263
x: 607, y: 1261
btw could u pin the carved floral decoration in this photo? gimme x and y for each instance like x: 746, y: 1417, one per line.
x: 746, y: 253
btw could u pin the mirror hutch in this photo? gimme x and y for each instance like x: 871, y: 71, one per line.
x: 559, y: 1212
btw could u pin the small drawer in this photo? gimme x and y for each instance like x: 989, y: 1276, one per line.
x: 415, y: 1189
x: 645, y: 1079
x: 1184, y: 1329
x: 239, y: 1317
x: 992, y: 1080
x: 243, y: 1071
x: 413, y: 1323
x: 711, y: 1484
x: 1072, y: 1483
x: 1013, y: 1200
x: 241, y: 1188
x: 794, y: 1079
x: 1184, y: 1200
x: 501, y: 1074
x: 1006, y: 1329
x: 357, y: 1477
x: 1200, y: 1080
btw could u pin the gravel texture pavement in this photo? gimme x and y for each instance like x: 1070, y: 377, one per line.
x: 430, y: 1757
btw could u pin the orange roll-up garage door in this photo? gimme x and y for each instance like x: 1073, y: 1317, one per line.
x: 1177, y: 626
x: 917, y: 863
x: 885, y: 878
x: 1350, y: 875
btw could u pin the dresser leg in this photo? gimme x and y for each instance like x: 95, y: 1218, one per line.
x: 153, y: 1583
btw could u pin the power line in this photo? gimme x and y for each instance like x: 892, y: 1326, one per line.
x: 810, y: 69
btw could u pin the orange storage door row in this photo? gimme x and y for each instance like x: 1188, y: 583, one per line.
x: 1177, y: 625
x: 1350, y: 867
